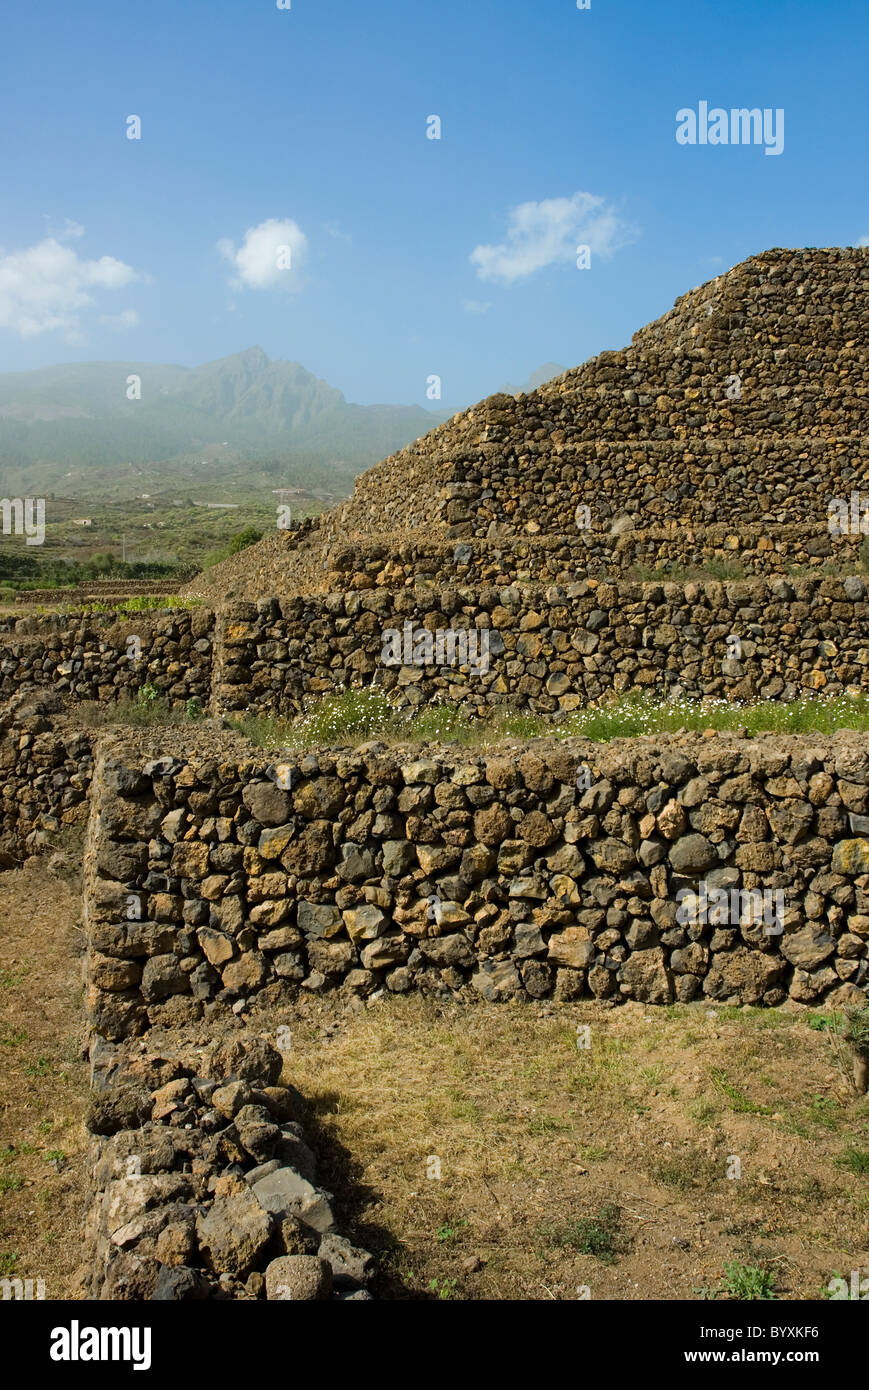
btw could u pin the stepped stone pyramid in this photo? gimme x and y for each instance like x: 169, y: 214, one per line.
x: 723, y: 431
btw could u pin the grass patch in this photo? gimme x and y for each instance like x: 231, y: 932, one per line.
x: 548, y: 1124
x: 41, y: 1067
x: 136, y: 603
x: 595, y: 1153
x: 450, y: 1230
x: 443, y: 1288
x: 148, y: 709
x: 855, y: 1160
x: 677, y: 572
x: 142, y: 603
x: 354, y: 716
x: 739, y: 1101
x: 636, y: 715
x: 824, y: 1112
x: 749, y: 1283
x: 819, y: 1023
x: 13, y: 1150
x: 601, y: 1236
x: 685, y: 1171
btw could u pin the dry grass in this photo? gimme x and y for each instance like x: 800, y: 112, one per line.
x: 44, y: 1081
x: 604, y: 1168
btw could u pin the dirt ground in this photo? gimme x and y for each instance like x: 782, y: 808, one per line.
x: 491, y: 1151
x: 43, y: 1079
x: 598, y: 1171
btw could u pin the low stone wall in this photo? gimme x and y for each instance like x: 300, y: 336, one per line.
x: 545, y: 868
x: 553, y: 648
x: 548, y: 648
x: 105, y: 656
x: 203, y: 1184
x: 45, y: 773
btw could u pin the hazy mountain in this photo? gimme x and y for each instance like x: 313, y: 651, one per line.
x: 76, y: 421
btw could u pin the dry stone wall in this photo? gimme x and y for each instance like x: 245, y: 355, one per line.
x: 599, y: 554
x: 544, y: 869
x: 555, y: 648
x: 46, y: 769
x: 549, y: 648
x: 392, y: 562
x: 106, y: 656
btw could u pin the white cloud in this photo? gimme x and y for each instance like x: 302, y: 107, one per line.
x: 47, y: 287
x: 269, y: 257
x: 476, y: 306
x: 68, y: 232
x: 333, y: 230
x: 127, y: 318
x: 548, y: 233
x: 864, y: 241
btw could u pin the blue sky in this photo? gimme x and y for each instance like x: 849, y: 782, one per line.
x: 408, y: 258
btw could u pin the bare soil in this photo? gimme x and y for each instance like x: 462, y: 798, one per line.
x: 598, y: 1171
x: 44, y: 1079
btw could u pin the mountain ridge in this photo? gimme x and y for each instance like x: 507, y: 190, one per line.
x: 74, y: 415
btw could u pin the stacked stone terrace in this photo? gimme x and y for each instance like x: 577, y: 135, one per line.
x: 722, y: 432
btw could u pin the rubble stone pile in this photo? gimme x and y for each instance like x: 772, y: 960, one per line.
x: 204, y: 1186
